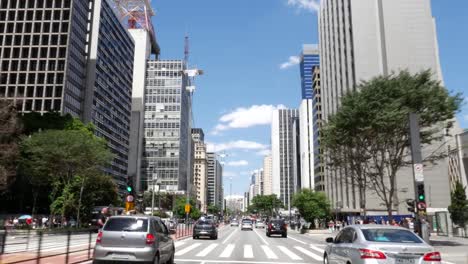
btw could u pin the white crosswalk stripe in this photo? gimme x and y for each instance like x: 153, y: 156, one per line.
x: 289, y: 253
x: 179, y: 243
x: 317, y: 249
x: 308, y: 253
x: 269, y: 253
x: 187, y: 249
x: 207, y: 250
x: 227, y: 251
x: 248, y: 251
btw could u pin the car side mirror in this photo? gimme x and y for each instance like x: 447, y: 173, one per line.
x: 330, y: 240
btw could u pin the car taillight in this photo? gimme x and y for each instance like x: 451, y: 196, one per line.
x: 371, y: 254
x: 150, y: 239
x: 99, y: 238
x: 270, y: 226
x: 432, y: 256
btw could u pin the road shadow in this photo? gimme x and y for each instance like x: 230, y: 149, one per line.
x: 442, y: 243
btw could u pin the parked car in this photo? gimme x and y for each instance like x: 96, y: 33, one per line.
x: 246, y: 224
x: 378, y: 244
x: 205, y: 227
x: 277, y: 227
x: 259, y: 224
x: 134, y: 239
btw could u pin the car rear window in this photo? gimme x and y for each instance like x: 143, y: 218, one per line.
x: 390, y: 236
x: 277, y: 222
x: 205, y: 222
x: 246, y: 221
x: 126, y: 224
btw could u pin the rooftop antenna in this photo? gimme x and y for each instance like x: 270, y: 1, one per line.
x: 186, y: 50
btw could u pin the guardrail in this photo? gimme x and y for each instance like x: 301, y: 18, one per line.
x: 32, y: 246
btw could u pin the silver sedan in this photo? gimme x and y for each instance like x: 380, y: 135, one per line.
x: 378, y: 244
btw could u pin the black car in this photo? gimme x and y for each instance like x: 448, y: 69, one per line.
x: 277, y: 227
x: 205, y: 227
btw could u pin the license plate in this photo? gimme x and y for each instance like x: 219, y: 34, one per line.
x: 404, y: 261
x: 119, y: 256
x: 203, y: 232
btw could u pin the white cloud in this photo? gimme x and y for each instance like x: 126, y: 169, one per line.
x: 264, y: 152
x: 237, y: 163
x: 293, y: 60
x: 309, y: 5
x: 229, y: 174
x: 243, y: 117
x: 239, y: 144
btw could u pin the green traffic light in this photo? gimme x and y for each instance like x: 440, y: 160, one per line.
x: 129, y: 189
x: 421, y: 197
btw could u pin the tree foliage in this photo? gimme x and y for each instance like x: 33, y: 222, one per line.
x: 265, y: 204
x: 179, y: 209
x: 213, y: 209
x: 369, y: 135
x: 459, y: 206
x: 10, y: 130
x: 312, y: 205
x: 56, y: 159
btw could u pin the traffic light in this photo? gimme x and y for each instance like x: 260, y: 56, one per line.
x: 411, y: 205
x: 420, y: 193
x: 129, y: 184
x: 129, y: 189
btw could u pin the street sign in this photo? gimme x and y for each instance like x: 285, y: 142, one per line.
x: 418, y: 172
x: 421, y: 206
x: 130, y: 198
x: 187, y: 208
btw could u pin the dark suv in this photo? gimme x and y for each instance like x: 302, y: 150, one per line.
x: 277, y: 227
x: 205, y: 227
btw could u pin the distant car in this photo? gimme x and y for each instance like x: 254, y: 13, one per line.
x: 246, y: 224
x: 234, y: 223
x: 134, y: 239
x: 259, y: 224
x: 277, y: 227
x: 205, y: 227
x: 378, y: 244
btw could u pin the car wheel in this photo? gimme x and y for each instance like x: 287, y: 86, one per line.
x: 156, y: 260
x: 325, y: 259
x: 268, y: 234
x: 285, y: 235
x: 171, y: 259
x: 194, y: 237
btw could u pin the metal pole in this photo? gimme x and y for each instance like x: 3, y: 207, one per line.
x: 89, y: 243
x: 68, y: 247
x: 39, y: 248
x: 152, y: 193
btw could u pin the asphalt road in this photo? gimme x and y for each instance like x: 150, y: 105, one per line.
x: 236, y: 246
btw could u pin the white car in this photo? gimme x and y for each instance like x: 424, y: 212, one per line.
x: 247, y: 224
x: 234, y: 223
x: 259, y: 224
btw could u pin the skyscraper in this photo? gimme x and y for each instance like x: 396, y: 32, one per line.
x: 214, y: 181
x: 360, y: 40
x: 282, y: 133
x: 309, y: 58
x: 167, y: 126
x: 267, y: 175
x: 65, y: 56
x: 200, y: 166
x: 109, y: 81
x: 319, y: 166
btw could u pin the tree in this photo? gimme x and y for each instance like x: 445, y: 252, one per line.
x: 459, y: 206
x: 369, y: 134
x: 10, y: 130
x: 213, y: 209
x: 179, y: 209
x: 56, y: 157
x: 266, y: 204
x: 312, y: 205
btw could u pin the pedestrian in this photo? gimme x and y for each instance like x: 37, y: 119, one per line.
x: 331, y: 226
x: 338, y: 225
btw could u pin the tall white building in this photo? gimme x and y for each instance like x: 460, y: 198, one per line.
x: 200, y: 166
x: 214, y: 176
x: 167, y: 126
x: 282, y: 146
x: 267, y: 175
x: 360, y: 40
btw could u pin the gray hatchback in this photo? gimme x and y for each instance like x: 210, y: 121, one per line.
x: 134, y: 239
x: 379, y: 244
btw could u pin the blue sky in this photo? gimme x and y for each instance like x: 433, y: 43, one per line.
x: 241, y: 46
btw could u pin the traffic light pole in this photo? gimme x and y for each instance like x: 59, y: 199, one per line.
x: 421, y: 225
